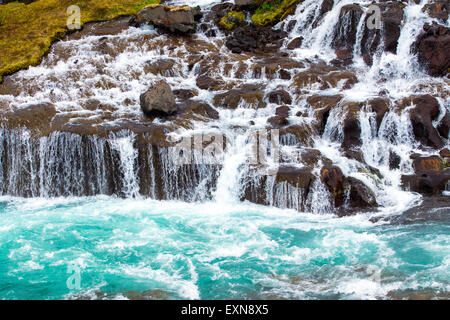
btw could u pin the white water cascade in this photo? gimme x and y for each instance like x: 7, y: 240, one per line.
x: 69, y: 162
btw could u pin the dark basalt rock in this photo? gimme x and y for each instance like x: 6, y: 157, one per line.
x: 185, y: 94
x: 394, y: 160
x: 295, y: 44
x: 192, y: 109
x: 280, y: 97
x: 322, y: 106
x: 428, y: 164
x: 283, y: 111
x: 252, y: 38
x: 352, y: 127
x: 271, y: 65
x: 208, y: 83
x: 392, y: 17
x: 246, y: 3
x: 431, y: 176
x: 295, y: 176
x: 303, y: 134
x: 173, y: 19
x: 433, y: 49
x: 360, y: 196
x: 33, y: 116
x: 444, y: 126
x: 344, y: 36
x: 426, y: 110
x: 381, y: 107
x: 438, y: 9
x: 251, y: 94
x: 163, y: 67
x: 333, y: 179
x: 326, y: 6
x: 278, y: 121
x: 428, y: 183
x: 445, y: 153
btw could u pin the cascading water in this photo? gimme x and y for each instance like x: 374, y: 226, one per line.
x: 89, y: 186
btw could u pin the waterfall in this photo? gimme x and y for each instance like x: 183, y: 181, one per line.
x: 128, y: 163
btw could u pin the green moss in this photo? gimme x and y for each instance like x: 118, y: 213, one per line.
x: 228, y: 23
x: 27, y: 31
x: 272, y: 11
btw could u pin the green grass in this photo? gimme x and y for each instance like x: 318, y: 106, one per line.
x: 27, y: 31
x: 227, y: 24
x: 271, y: 11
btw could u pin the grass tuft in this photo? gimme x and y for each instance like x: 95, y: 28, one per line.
x: 271, y: 11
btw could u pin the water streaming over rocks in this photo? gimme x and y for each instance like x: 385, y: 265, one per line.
x: 353, y: 109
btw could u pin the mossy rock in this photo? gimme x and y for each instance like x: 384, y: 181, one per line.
x: 27, y: 31
x: 233, y: 18
x: 272, y: 11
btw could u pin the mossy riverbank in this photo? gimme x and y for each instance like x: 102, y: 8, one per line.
x: 27, y: 31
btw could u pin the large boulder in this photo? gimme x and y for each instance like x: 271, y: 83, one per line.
x: 174, y: 19
x: 433, y: 49
x: 426, y: 111
x: 252, y: 38
x: 333, y: 179
x: 280, y: 97
x: 158, y: 100
x: 345, y: 31
x: 359, y: 195
x: 431, y: 176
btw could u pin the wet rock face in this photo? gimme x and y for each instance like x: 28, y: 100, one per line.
x: 296, y: 43
x: 392, y: 16
x: 174, y: 19
x: 428, y: 164
x: 345, y: 32
x: 158, y: 100
x: 444, y: 126
x: 431, y: 176
x: 433, y: 50
x: 280, y: 97
x: 295, y: 176
x: 428, y: 183
x: 251, y: 38
x: 380, y: 106
x: 333, y: 179
x: 33, y: 116
x: 352, y: 127
x: 251, y: 95
x: 438, y: 9
x: 426, y: 110
x: 360, y: 196
x: 208, y: 83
